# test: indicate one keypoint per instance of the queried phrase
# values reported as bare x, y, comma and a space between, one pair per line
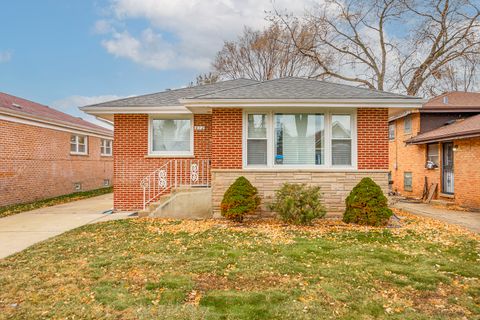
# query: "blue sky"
70, 53
55, 53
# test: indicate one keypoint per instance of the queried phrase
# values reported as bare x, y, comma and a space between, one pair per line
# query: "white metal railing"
175, 173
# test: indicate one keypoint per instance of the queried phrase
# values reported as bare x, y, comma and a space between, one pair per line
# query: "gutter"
374, 103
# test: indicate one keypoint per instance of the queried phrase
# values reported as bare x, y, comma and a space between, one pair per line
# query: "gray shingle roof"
299, 88
171, 97
468, 127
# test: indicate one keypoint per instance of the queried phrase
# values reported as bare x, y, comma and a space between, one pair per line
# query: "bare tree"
385, 44
262, 55
445, 32
460, 75
205, 78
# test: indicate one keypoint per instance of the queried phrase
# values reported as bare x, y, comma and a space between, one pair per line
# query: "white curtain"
171, 135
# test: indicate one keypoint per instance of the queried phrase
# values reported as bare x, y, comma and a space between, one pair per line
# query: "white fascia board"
12, 115
52, 126
348, 103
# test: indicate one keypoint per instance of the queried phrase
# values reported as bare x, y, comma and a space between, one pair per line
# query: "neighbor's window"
257, 139
78, 144
171, 136
299, 139
407, 124
391, 131
433, 153
407, 181
106, 147
341, 140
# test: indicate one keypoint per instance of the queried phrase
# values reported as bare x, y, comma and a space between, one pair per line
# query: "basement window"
78, 144
407, 181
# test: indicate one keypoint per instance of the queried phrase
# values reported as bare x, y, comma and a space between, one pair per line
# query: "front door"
447, 168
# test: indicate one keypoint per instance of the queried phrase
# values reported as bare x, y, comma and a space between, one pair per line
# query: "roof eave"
133, 109
449, 137
448, 110
58, 123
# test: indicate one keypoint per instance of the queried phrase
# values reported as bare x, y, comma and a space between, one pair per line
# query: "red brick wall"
131, 149
35, 163
372, 133
466, 172
222, 143
227, 131
409, 158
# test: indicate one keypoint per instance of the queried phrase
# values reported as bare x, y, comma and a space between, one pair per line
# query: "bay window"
171, 136
300, 139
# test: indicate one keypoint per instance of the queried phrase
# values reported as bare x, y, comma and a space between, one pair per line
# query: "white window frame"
169, 154
353, 128
410, 121
327, 112
76, 152
103, 147
391, 131
438, 152
268, 138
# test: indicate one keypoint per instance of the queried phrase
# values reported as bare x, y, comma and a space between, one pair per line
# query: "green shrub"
240, 199
298, 203
366, 205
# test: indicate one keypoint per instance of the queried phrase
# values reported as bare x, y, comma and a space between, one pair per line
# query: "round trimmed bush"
240, 199
366, 205
298, 203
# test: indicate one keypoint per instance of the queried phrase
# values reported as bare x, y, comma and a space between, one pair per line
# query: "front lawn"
165, 269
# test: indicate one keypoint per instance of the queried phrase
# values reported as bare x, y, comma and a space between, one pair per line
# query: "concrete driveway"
469, 220
20, 231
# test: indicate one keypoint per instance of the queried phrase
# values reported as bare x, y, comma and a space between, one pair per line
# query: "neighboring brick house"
46, 153
436, 143
283, 130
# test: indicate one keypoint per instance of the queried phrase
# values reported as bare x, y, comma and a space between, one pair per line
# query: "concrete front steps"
182, 203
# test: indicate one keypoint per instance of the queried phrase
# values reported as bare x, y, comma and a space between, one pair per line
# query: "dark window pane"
256, 152
342, 152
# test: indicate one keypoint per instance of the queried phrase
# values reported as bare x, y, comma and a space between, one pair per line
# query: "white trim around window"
78, 144
186, 152
106, 146
327, 136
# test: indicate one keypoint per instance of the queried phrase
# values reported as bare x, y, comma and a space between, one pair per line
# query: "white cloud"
70, 105
183, 33
5, 56
102, 27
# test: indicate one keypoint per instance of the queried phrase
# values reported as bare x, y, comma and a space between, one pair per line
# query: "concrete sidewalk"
469, 220
22, 230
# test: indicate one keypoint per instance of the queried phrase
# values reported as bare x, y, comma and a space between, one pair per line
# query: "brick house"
46, 153
288, 129
438, 143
